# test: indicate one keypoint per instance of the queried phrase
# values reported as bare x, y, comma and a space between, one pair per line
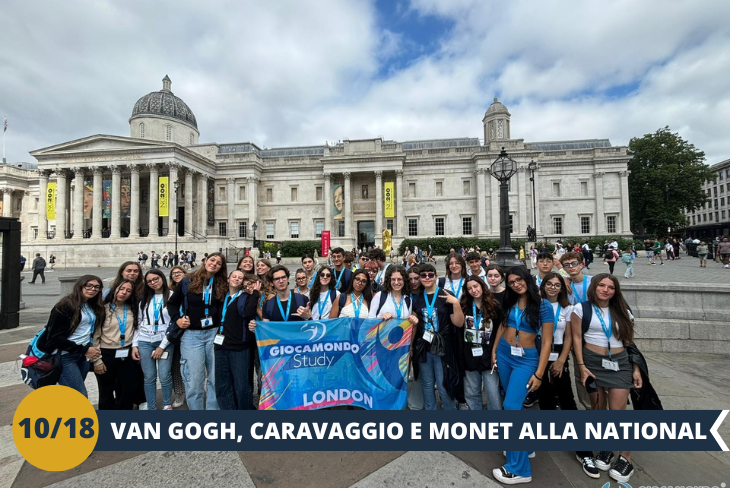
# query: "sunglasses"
325, 275
428, 276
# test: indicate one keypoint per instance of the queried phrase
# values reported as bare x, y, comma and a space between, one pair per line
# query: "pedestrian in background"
628, 258
39, 268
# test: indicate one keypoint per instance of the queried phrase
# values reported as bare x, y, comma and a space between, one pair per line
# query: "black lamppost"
533, 167
503, 168
175, 220
254, 226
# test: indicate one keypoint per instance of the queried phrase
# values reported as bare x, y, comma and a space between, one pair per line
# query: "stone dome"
497, 107
164, 103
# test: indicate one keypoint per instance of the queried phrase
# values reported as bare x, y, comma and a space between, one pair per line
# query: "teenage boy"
285, 305
658, 252
342, 275
437, 311
474, 261
378, 255
577, 282
544, 266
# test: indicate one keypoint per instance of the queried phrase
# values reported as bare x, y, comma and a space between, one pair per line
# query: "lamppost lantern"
254, 226
503, 168
533, 167
176, 184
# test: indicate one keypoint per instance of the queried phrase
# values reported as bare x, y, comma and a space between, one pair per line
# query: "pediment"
99, 142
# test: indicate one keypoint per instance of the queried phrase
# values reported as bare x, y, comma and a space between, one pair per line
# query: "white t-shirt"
82, 334
388, 307
565, 314
455, 286
578, 292
145, 332
324, 299
482, 274
595, 334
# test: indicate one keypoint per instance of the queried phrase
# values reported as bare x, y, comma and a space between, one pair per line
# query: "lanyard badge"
288, 307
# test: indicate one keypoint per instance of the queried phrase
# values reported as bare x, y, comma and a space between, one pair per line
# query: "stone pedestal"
67, 284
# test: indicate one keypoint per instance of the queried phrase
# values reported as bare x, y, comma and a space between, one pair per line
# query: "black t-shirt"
464, 349
196, 306
344, 280
235, 327
443, 311
271, 308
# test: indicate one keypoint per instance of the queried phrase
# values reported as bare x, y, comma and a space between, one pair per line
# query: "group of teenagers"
494, 333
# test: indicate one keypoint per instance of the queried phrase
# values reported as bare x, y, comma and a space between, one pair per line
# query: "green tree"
666, 178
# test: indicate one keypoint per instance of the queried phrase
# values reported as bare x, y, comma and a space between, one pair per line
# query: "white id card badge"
218, 339
477, 351
121, 353
516, 351
607, 364
206, 322
553, 356
428, 336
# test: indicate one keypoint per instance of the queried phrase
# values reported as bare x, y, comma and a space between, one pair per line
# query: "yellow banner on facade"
164, 194
51, 201
389, 200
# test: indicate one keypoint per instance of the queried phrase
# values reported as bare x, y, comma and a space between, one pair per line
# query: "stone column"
97, 213
252, 202
134, 206
625, 213
348, 204
520, 226
600, 216
379, 206
494, 193
231, 182
400, 226
7, 202
203, 205
189, 200
116, 228
61, 192
481, 203
536, 196
154, 232
78, 215
42, 203
328, 202
172, 212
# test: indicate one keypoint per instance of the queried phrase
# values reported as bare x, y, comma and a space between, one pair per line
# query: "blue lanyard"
157, 309
575, 291
314, 277
538, 279
321, 303
477, 318
207, 292
91, 317
356, 305
397, 306
430, 306
515, 310
121, 321
226, 304
608, 330
288, 306
342, 273
456, 292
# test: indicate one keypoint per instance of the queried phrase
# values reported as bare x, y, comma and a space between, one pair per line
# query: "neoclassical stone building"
107, 188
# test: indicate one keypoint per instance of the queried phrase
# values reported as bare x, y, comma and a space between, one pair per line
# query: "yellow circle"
60, 409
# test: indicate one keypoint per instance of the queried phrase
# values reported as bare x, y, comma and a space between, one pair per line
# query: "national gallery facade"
102, 198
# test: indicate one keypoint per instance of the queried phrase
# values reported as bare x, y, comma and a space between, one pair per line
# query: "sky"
286, 72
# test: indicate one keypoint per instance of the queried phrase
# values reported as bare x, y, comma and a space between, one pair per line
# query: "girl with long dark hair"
177, 273
355, 302
455, 275
323, 294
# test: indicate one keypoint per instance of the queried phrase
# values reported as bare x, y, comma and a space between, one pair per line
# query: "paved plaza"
684, 382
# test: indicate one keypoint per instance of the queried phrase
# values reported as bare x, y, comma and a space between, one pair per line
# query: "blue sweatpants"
515, 372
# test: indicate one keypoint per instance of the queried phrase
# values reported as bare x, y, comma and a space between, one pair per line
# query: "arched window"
192, 139
141, 130
168, 133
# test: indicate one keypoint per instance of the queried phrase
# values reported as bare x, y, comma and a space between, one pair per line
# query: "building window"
364, 193
720, 175
221, 193
412, 227
222, 231
704, 217
611, 224
35, 230
294, 192
557, 225
722, 202
728, 186
243, 229
269, 230
412, 190
168, 133
294, 228
727, 172
714, 191
556, 189
242, 192
192, 138
269, 195
141, 130
440, 227
722, 189
466, 226
318, 228
511, 223
717, 216
585, 225
723, 218
318, 194
389, 225
584, 188
466, 187
340, 228
439, 188
693, 220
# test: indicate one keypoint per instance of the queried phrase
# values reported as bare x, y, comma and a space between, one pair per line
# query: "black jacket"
644, 398
58, 330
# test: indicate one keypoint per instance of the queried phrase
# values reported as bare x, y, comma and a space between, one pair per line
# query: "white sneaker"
507, 478
143, 406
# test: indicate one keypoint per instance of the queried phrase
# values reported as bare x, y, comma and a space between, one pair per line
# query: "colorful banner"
318, 364
389, 202
163, 197
88, 199
325, 251
387, 241
51, 201
338, 201
125, 197
107, 196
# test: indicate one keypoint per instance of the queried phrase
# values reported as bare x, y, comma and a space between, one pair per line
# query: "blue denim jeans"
432, 372
473, 381
197, 367
151, 368
74, 368
232, 387
515, 372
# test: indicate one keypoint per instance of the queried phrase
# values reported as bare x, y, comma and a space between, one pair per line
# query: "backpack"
144, 257
626, 258
174, 333
39, 368
588, 315
608, 255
